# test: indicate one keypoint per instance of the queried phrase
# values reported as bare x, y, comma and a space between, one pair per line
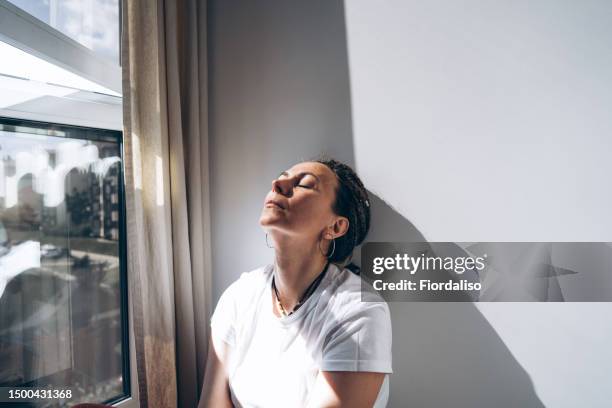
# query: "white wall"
497, 112
490, 121
279, 92
475, 122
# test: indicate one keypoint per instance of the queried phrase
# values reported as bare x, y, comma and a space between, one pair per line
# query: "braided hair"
352, 202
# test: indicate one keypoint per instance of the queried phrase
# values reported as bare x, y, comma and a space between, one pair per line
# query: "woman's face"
305, 194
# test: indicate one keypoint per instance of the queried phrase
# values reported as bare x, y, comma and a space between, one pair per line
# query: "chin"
266, 220
270, 225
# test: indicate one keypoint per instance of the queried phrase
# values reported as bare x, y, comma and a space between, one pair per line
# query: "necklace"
309, 290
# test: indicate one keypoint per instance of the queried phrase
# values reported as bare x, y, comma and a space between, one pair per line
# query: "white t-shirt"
274, 360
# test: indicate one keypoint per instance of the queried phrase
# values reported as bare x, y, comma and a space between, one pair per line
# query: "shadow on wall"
280, 90
446, 354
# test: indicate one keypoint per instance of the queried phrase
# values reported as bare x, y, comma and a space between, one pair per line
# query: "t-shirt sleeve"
361, 341
223, 319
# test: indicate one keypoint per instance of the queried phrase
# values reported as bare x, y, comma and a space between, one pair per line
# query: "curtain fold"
167, 195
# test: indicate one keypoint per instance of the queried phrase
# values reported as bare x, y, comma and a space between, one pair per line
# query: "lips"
274, 203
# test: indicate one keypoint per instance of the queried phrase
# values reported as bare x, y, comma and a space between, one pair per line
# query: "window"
81, 37
63, 288
45, 78
32, 88
92, 23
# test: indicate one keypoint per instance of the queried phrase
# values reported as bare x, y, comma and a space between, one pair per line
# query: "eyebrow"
284, 173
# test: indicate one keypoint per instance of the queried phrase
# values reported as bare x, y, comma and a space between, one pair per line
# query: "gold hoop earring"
333, 250
268, 245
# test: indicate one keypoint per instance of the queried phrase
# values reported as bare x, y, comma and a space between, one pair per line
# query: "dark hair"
352, 202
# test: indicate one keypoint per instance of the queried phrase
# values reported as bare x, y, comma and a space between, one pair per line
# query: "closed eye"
308, 178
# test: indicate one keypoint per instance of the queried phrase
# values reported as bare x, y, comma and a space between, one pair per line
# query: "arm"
215, 391
357, 389
221, 340
355, 358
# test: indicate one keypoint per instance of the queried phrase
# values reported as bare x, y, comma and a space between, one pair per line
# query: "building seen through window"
62, 269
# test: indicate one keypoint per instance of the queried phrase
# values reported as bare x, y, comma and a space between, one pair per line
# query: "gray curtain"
167, 195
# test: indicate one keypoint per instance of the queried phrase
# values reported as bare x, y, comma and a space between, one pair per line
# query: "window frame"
26, 32
130, 398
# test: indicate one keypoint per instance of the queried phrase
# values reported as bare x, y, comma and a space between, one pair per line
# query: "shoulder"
359, 333
248, 282
237, 299
246, 289
253, 277
352, 296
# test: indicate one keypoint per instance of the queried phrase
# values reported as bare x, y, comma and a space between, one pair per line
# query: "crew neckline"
306, 306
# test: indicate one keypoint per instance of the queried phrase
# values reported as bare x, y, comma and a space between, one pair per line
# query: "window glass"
44, 77
63, 320
92, 23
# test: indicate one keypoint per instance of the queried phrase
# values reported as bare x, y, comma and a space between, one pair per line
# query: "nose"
282, 186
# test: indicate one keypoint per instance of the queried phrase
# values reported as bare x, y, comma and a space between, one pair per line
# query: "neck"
297, 265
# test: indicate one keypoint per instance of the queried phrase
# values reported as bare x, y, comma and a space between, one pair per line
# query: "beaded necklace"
309, 290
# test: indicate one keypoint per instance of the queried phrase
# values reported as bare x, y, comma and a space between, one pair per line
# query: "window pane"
44, 77
93, 23
62, 276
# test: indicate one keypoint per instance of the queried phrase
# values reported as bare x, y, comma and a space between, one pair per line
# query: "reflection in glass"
60, 282
92, 23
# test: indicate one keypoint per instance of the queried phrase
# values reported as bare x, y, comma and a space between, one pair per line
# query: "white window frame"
26, 32
23, 31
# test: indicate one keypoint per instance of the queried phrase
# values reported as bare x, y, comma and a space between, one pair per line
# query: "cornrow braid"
352, 202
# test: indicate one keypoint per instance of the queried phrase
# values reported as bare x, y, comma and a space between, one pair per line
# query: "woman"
297, 333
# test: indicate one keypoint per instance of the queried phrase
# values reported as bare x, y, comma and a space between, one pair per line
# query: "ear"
338, 228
